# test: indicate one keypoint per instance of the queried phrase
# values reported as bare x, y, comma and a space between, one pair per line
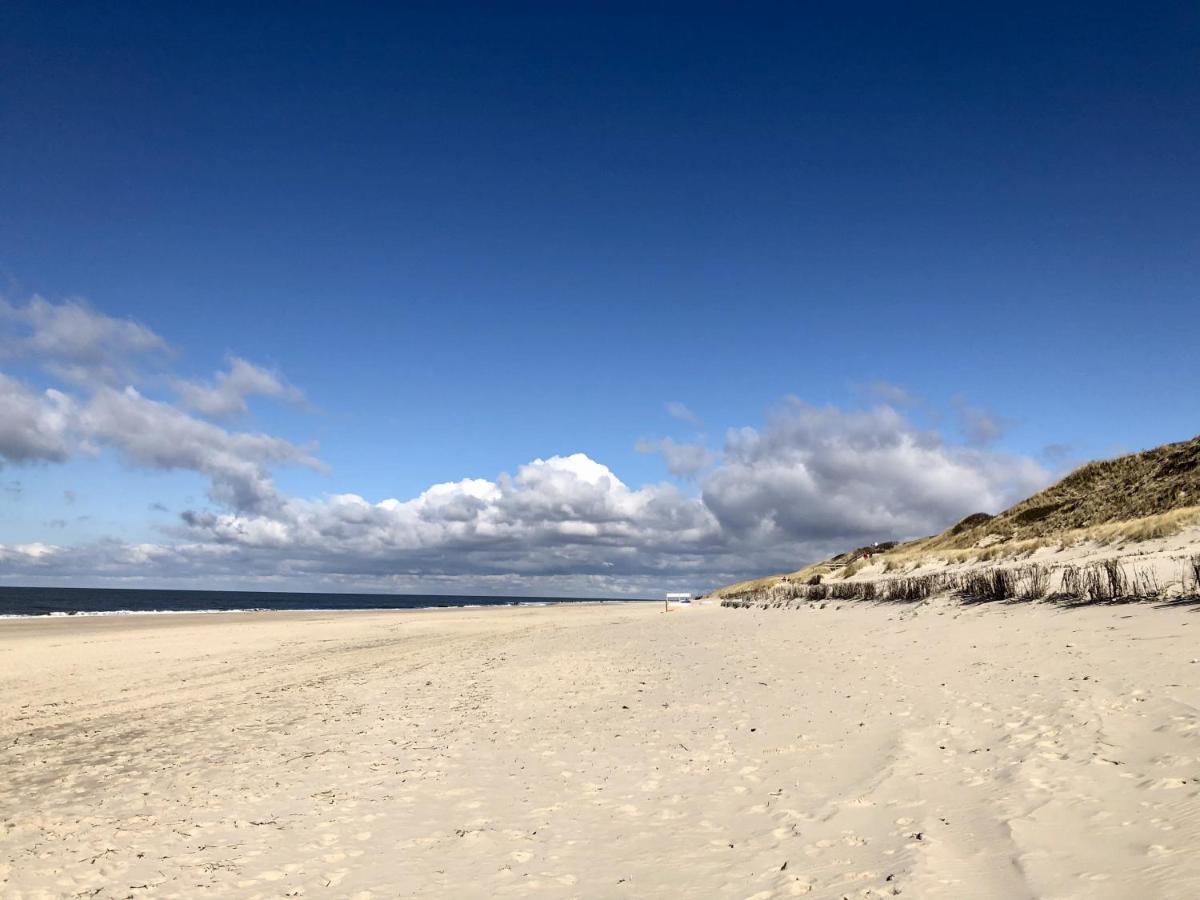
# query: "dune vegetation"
1099, 534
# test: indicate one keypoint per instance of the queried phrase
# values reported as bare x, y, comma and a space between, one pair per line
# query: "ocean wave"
77, 614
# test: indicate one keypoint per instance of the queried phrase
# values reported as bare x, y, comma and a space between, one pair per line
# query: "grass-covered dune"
1140, 513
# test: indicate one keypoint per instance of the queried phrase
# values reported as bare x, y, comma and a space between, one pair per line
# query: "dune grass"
1135, 498
1103, 581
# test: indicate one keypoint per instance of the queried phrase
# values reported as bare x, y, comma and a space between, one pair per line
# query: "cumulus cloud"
822, 474
682, 459
34, 425
677, 410
24, 556
891, 394
48, 426
75, 342
157, 435
810, 482
565, 514
980, 426
226, 395
813, 481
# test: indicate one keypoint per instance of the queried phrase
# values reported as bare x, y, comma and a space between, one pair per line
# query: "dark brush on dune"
1002, 585
1034, 582
914, 589
847, 590
988, 586
1110, 582
1107, 581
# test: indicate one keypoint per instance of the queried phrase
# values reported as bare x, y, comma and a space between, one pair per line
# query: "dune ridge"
1113, 530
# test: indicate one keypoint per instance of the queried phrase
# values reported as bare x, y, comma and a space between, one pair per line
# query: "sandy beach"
604, 751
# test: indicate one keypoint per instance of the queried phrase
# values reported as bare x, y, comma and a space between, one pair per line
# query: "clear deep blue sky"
480, 234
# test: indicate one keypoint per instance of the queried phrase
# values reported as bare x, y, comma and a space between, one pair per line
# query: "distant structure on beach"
680, 598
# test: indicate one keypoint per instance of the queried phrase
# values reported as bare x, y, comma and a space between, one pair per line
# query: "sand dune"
867, 751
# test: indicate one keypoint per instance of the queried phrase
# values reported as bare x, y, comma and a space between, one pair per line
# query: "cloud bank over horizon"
809, 482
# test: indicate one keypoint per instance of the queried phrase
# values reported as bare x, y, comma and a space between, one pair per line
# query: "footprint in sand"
334, 878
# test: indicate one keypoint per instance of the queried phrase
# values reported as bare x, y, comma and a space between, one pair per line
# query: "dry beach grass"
605, 751
1098, 509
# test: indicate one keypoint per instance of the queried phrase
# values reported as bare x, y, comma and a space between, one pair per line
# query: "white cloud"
49, 426
813, 481
562, 514
891, 394
226, 396
677, 410
75, 342
980, 426
683, 459
157, 435
35, 553
34, 425
826, 474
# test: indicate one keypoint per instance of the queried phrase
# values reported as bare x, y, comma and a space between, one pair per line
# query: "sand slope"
604, 752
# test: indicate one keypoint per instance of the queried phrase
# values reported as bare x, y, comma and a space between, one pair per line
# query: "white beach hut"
678, 598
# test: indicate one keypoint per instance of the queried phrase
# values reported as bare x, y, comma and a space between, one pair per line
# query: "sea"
51, 601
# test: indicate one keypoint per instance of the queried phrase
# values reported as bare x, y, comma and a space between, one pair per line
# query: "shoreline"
87, 614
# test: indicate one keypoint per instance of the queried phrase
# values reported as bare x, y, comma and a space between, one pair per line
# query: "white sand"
604, 752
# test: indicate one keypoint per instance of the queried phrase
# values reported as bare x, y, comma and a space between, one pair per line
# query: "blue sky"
478, 236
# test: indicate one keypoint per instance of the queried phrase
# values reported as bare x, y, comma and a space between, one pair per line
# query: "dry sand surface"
604, 751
